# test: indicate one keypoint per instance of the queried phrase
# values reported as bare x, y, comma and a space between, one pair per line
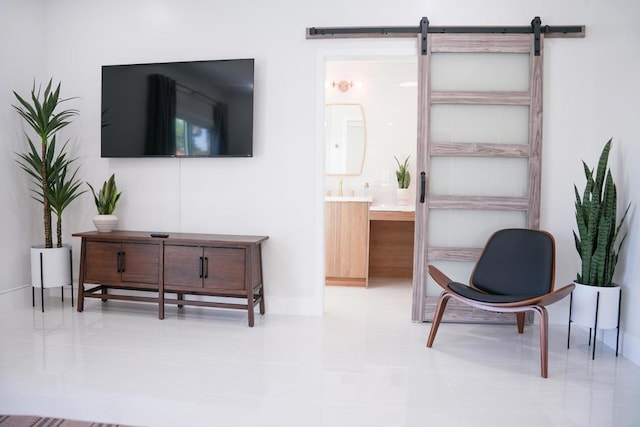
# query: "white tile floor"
363, 364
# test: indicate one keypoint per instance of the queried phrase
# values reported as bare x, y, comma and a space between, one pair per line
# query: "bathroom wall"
386, 88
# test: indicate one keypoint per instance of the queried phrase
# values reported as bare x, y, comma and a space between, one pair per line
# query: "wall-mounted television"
178, 109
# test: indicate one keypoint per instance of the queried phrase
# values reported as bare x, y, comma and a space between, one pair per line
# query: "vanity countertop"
393, 208
365, 199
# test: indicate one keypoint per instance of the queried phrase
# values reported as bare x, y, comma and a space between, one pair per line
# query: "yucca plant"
63, 190
596, 217
107, 197
42, 162
402, 173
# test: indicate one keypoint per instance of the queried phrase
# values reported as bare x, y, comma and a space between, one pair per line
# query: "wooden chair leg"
544, 340
437, 317
521, 316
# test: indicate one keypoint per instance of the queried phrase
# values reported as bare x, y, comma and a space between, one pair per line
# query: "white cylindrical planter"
50, 267
583, 306
403, 196
105, 223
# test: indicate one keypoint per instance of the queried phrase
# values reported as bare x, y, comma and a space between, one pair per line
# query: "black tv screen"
178, 109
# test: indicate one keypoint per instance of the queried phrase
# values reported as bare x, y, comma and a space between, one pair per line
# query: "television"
178, 109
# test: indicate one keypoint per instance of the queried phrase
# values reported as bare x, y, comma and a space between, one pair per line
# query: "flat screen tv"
178, 109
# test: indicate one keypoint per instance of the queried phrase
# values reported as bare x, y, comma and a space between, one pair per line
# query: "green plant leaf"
597, 232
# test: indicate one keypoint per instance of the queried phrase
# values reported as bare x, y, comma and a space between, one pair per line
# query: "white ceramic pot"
105, 223
583, 305
403, 196
50, 267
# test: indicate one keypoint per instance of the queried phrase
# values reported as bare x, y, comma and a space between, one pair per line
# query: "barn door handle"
423, 185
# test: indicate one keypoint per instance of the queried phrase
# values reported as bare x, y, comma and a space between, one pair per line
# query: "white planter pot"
105, 223
583, 306
403, 196
50, 267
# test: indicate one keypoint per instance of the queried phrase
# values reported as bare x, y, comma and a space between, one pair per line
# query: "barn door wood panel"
479, 149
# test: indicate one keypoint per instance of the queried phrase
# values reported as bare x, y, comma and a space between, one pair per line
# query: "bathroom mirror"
345, 139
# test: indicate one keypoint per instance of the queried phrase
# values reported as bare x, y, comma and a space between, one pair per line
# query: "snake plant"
402, 173
596, 222
107, 197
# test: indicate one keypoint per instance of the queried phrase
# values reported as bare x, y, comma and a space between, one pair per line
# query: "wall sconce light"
342, 85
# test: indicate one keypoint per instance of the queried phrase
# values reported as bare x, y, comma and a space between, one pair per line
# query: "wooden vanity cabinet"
347, 243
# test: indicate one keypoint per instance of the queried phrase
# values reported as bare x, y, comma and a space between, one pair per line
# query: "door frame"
357, 49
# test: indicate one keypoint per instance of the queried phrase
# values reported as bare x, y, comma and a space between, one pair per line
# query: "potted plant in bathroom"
404, 180
106, 199
54, 186
595, 300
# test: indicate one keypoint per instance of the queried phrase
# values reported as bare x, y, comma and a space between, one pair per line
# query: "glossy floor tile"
363, 364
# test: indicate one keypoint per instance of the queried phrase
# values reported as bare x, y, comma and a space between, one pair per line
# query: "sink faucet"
340, 187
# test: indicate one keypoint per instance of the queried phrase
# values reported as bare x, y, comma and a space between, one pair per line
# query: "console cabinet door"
225, 268
102, 262
140, 263
182, 266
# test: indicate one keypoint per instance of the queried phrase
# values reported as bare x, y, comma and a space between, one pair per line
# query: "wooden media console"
208, 265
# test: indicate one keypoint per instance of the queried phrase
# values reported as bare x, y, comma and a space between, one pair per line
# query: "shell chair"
514, 274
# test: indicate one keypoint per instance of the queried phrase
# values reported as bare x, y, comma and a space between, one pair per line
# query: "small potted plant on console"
106, 199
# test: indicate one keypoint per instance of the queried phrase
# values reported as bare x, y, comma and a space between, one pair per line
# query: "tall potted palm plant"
54, 186
596, 299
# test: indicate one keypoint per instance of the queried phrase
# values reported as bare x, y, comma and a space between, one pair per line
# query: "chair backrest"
516, 261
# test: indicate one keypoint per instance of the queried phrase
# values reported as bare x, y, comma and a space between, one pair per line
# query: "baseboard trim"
6, 291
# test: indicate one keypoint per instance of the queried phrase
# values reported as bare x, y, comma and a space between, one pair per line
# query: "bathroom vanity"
363, 241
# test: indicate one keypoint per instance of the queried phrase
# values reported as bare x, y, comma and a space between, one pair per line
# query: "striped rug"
35, 421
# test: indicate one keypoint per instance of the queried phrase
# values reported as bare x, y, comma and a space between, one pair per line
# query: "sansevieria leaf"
597, 232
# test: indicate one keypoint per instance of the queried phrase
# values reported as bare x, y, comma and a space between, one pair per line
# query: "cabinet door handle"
206, 267
120, 262
423, 184
201, 267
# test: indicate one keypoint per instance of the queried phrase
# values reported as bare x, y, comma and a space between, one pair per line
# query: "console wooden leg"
262, 310
250, 307
80, 295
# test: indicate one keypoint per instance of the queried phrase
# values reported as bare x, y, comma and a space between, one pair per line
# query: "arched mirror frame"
364, 130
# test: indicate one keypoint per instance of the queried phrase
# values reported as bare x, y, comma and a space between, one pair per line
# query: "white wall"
391, 114
591, 92
21, 53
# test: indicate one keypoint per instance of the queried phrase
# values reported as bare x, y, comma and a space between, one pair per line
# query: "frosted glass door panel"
479, 176
469, 228
480, 71
497, 124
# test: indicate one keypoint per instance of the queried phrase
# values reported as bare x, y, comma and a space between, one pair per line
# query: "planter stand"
595, 324
42, 284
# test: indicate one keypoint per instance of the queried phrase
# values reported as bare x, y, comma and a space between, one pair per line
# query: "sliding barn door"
479, 149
